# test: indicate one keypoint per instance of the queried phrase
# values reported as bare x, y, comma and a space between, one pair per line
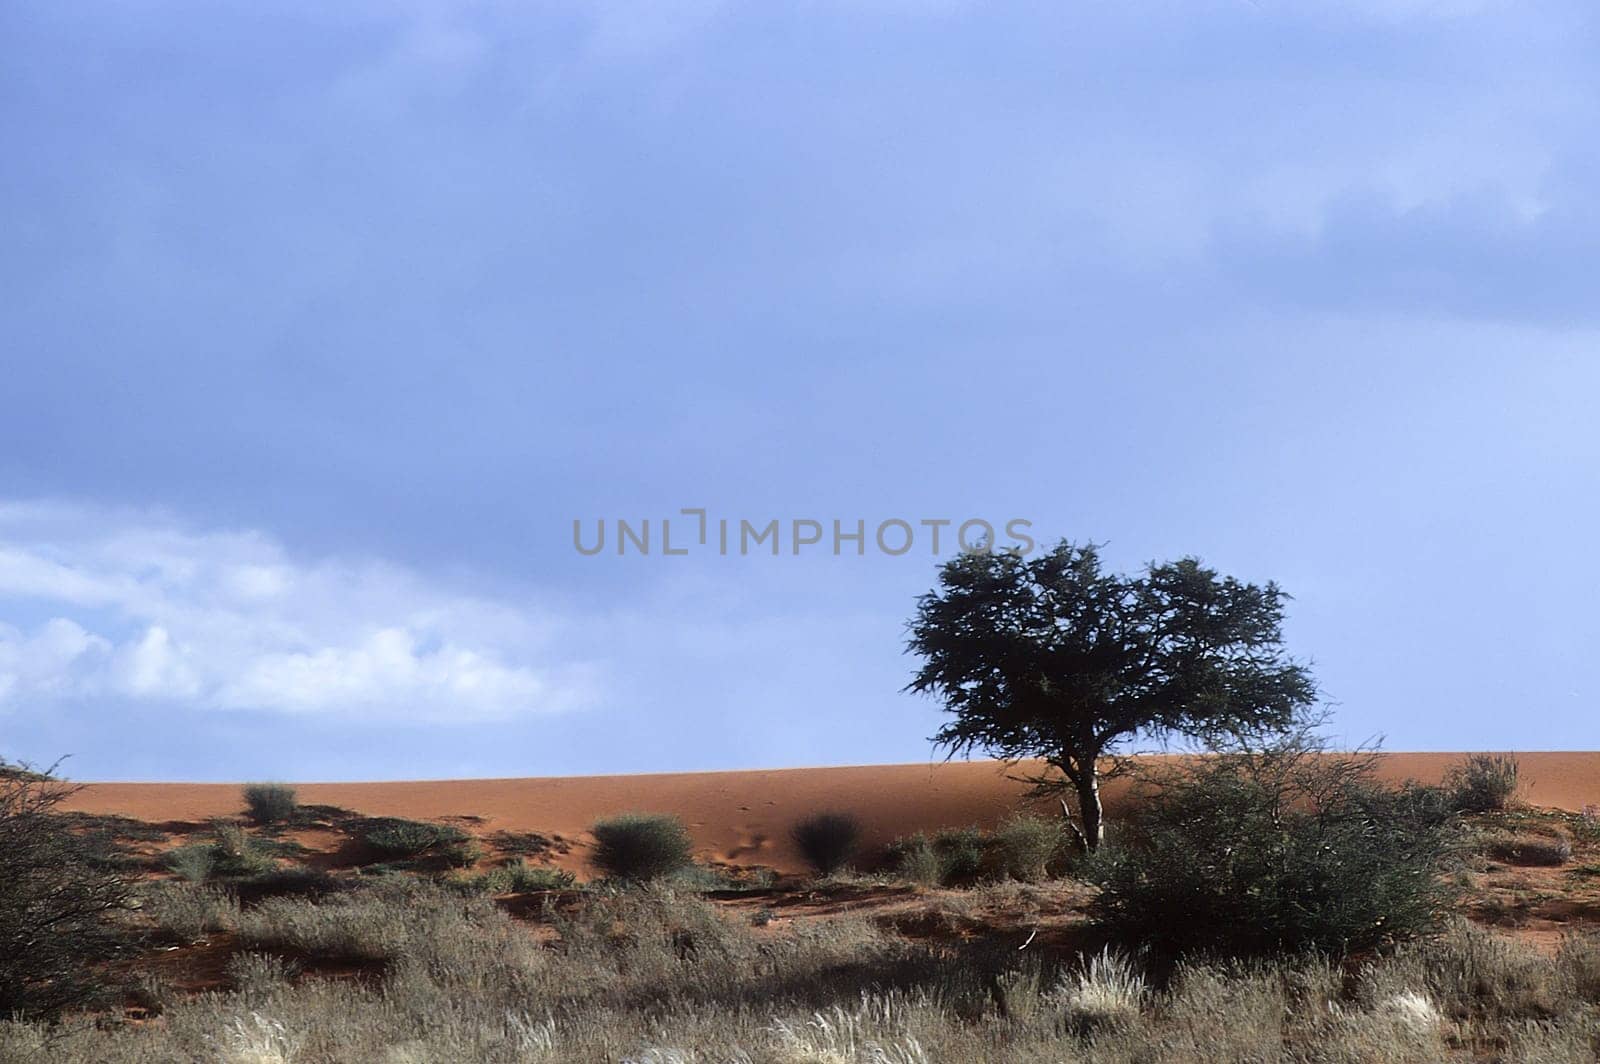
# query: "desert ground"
736, 818
293, 942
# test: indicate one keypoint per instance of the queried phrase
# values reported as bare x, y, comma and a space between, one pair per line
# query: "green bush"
235, 853
191, 863
915, 859
516, 876
395, 839
827, 841
1483, 783
952, 857
270, 803
641, 846
1286, 849
1023, 847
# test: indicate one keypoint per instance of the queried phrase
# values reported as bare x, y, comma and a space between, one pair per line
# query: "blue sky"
324, 322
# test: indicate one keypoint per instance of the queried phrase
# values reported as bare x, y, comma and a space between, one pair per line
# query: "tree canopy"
1054, 658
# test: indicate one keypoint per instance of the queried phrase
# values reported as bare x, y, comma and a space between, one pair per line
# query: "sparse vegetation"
1527, 848
410, 841
641, 846
827, 841
1023, 847
516, 876
270, 803
656, 976
1282, 849
1483, 783
953, 857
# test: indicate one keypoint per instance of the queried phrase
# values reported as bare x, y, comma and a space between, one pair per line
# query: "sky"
324, 323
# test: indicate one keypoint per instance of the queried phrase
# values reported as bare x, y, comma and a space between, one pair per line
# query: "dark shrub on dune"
1483, 783
270, 803
827, 840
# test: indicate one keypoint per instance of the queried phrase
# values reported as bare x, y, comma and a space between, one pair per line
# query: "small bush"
641, 846
270, 803
1525, 849
516, 876
1483, 783
1282, 850
256, 975
191, 863
827, 841
1023, 847
236, 854
394, 839
185, 913
952, 857
961, 855
914, 858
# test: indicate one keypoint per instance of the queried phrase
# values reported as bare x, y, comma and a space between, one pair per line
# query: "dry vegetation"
404, 971
276, 954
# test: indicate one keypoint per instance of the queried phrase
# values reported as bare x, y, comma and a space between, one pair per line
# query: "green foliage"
270, 803
827, 840
57, 899
953, 857
1283, 849
641, 846
1051, 657
1483, 783
914, 858
393, 839
1023, 847
191, 863
516, 876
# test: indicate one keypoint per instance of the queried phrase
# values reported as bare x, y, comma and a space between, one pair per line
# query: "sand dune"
740, 817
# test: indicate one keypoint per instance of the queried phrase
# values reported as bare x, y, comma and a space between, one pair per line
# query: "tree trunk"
1088, 785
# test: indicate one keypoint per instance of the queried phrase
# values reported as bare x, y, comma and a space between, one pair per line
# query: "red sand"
740, 817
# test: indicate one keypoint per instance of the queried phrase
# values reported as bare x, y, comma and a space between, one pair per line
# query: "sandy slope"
740, 817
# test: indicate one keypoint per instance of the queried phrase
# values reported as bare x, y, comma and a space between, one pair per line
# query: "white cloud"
133, 606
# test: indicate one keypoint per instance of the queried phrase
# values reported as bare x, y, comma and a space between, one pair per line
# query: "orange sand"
739, 817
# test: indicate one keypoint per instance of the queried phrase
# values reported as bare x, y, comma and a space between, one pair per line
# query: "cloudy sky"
322, 323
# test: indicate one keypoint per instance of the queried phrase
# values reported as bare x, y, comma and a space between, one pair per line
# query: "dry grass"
661, 976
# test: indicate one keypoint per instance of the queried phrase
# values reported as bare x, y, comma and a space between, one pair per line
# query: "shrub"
1483, 783
914, 858
394, 839
1023, 846
190, 863
236, 854
1282, 849
57, 898
641, 846
184, 913
270, 803
516, 876
952, 857
961, 855
827, 840
1526, 849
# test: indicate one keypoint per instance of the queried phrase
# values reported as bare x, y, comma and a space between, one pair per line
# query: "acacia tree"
57, 898
1052, 658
